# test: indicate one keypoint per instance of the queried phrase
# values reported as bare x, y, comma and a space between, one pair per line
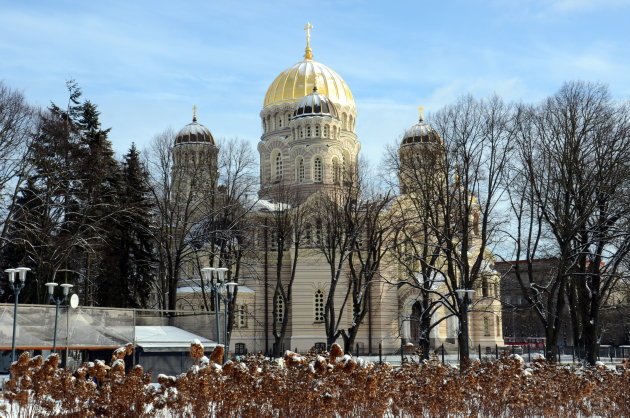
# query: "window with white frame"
317, 170
241, 316
277, 166
319, 305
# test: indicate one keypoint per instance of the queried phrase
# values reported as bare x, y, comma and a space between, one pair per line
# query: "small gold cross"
420, 109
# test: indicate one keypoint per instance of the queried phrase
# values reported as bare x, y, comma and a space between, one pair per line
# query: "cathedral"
307, 145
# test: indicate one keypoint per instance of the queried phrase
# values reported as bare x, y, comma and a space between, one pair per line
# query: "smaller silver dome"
194, 133
421, 132
315, 104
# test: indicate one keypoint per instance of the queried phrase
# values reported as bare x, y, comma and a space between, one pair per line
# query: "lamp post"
218, 287
227, 294
16, 287
465, 297
57, 301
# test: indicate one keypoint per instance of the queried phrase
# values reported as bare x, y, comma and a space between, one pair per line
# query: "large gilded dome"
298, 81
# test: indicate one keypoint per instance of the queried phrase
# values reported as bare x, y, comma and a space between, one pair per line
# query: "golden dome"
298, 81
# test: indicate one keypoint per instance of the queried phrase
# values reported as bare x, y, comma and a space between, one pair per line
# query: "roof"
166, 338
262, 205
197, 289
297, 81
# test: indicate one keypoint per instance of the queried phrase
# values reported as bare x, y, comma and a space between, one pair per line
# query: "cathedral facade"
307, 147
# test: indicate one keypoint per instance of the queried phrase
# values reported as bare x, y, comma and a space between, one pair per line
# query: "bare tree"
417, 242
352, 226
17, 125
285, 224
477, 136
184, 190
574, 151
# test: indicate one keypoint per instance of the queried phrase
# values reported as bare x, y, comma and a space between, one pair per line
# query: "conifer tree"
130, 256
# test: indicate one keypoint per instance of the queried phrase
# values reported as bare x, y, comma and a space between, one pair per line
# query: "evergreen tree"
130, 258
70, 198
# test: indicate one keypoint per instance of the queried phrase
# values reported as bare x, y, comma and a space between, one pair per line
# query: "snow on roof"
167, 338
197, 289
262, 205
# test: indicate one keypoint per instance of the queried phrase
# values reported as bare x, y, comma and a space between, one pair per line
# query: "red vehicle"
533, 342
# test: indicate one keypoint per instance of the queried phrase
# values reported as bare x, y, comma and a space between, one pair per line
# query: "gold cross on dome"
308, 33
420, 109
308, 52
195, 112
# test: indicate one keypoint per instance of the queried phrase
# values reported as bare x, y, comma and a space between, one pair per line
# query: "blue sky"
146, 63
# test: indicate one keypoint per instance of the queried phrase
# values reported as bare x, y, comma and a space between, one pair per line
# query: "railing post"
479, 349
442, 353
380, 352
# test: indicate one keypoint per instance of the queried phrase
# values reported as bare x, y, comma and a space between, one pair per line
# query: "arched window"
308, 235
279, 309
452, 323
335, 170
318, 233
280, 121
497, 325
317, 170
300, 170
319, 305
325, 131
308, 131
277, 175
484, 287
301, 132
476, 223
486, 326
317, 131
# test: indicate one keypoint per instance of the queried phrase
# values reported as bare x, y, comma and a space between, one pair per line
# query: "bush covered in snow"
335, 385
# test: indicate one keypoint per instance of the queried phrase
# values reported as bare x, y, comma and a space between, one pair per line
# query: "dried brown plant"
314, 386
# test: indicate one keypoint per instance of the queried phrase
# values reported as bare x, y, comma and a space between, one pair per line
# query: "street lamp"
227, 294
16, 287
465, 296
216, 288
57, 301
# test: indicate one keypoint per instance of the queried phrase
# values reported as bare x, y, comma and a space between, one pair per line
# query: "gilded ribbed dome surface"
298, 81
195, 133
315, 104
